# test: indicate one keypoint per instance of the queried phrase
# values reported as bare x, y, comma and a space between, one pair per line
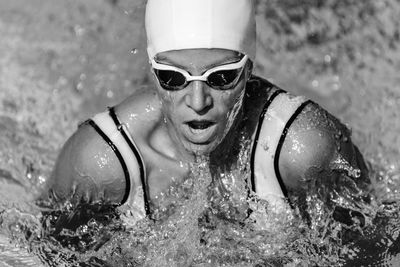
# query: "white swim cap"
188, 24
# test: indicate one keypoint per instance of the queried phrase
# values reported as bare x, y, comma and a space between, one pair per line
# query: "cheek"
169, 102
231, 110
232, 102
235, 107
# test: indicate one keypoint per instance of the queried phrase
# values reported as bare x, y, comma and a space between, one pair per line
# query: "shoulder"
142, 104
87, 169
140, 112
314, 135
315, 140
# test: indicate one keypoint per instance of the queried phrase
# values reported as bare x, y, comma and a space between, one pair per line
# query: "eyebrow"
167, 61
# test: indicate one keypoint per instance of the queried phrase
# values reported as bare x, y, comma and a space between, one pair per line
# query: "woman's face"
199, 116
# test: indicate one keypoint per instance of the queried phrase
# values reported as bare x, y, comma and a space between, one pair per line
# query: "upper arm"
87, 170
318, 146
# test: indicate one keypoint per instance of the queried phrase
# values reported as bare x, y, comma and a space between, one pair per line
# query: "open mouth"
200, 131
200, 125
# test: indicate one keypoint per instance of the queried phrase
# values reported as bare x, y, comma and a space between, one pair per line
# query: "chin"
201, 150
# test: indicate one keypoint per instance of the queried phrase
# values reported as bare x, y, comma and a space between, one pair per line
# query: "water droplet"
265, 145
110, 94
315, 83
338, 135
79, 30
327, 59
79, 87
341, 164
149, 108
41, 179
128, 12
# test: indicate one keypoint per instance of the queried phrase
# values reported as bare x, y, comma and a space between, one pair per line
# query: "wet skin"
198, 116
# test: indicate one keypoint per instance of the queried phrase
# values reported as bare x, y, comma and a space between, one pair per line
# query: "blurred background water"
61, 61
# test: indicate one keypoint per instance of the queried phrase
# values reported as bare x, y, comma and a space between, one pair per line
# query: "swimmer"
204, 101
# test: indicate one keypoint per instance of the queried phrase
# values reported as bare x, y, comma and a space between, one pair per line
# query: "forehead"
198, 57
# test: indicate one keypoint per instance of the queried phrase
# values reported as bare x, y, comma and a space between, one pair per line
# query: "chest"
163, 175
169, 180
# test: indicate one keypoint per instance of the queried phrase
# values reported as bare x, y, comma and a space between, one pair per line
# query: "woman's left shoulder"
315, 125
315, 139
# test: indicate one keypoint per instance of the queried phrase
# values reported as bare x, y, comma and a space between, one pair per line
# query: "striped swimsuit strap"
278, 114
117, 136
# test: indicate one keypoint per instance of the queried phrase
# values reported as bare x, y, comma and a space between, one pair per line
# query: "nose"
198, 97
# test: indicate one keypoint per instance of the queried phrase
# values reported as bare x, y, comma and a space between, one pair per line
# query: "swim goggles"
223, 77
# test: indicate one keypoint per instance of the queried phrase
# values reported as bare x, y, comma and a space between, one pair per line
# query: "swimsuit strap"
277, 116
128, 138
117, 136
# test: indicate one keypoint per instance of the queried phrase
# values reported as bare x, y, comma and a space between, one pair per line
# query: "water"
61, 61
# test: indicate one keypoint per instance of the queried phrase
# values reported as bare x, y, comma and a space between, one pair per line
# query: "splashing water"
209, 221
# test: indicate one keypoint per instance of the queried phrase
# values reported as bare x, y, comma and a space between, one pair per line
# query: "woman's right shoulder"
142, 101
87, 169
140, 112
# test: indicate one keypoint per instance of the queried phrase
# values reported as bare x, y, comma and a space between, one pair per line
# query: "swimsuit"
119, 139
278, 114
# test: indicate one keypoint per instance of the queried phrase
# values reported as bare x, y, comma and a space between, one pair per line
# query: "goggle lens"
171, 80
223, 79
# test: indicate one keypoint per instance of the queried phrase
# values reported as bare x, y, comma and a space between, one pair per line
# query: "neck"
225, 151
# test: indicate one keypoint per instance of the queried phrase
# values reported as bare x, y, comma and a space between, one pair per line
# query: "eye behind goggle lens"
171, 80
223, 79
